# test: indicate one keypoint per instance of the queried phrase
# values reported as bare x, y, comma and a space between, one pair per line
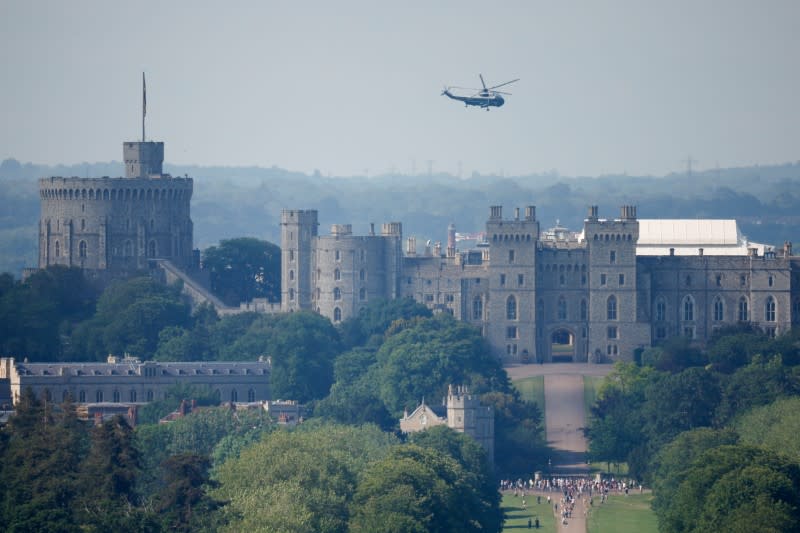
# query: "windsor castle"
619, 285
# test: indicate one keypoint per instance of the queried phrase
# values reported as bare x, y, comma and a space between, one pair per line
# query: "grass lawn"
517, 517
623, 514
532, 390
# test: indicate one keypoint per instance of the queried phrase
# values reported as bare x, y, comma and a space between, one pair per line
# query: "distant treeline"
246, 201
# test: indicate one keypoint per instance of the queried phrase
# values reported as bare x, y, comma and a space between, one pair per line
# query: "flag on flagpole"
144, 96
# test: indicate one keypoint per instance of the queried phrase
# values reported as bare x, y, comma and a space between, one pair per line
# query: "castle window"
770, 281
362, 275
251, 395
611, 308
743, 312
83, 223
562, 280
612, 257
602, 279
291, 294
291, 275
719, 310
58, 249
583, 310
151, 249
362, 294
688, 309
337, 255
337, 314
82, 396
152, 224
337, 275
150, 395
661, 309
337, 293
612, 332
562, 308
511, 332
98, 396
511, 256
742, 280
771, 332
132, 395
688, 281
769, 309
661, 332
234, 395
82, 249
477, 308
511, 308
718, 279
520, 280
688, 332
502, 280
621, 280
291, 255
583, 279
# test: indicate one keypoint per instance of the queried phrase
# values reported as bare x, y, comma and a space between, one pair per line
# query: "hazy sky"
353, 87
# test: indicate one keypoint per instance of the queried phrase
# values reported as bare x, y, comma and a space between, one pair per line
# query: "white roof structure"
687, 236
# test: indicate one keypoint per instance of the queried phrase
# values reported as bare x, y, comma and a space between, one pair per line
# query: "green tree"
244, 268
308, 476
423, 359
774, 427
183, 502
417, 489
759, 383
519, 443
372, 322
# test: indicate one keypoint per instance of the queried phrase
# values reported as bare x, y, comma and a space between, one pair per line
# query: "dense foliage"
713, 430
244, 268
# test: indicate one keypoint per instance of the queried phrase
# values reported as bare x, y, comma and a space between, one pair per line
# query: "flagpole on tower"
144, 104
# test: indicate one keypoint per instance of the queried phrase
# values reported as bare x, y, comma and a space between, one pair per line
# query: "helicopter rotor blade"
506, 83
482, 82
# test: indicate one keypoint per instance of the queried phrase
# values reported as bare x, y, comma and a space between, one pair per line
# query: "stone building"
465, 414
619, 285
128, 380
117, 224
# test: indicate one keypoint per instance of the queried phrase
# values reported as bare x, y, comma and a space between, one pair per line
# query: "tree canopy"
244, 268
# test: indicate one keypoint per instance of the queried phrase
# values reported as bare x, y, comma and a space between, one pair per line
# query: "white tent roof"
686, 236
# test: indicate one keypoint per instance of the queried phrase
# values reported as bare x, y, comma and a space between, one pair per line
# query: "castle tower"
143, 159
466, 415
298, 236
512, 284
615, 329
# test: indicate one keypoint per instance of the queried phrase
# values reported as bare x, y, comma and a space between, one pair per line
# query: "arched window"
769, 309
511, 308
337, 293
688, 309
661, 309
362, 275
583, 310
611, 308
58, 249
719, 310
337, 274
337, 315
251, 395
291, 275
477, 308
82, 249
234, 395
562, 308
744, 316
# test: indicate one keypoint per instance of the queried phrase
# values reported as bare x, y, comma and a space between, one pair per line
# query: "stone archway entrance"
562, 346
